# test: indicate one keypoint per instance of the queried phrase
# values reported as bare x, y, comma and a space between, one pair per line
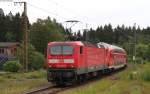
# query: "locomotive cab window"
55, 50
67, 50
81, 49
61, 50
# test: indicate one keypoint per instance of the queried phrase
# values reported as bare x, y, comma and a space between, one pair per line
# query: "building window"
1, 51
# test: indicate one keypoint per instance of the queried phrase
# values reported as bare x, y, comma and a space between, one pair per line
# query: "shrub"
145, 75
12, 66
142, 73
36, 61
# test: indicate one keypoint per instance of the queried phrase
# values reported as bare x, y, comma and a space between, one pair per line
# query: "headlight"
68, 60
53, 61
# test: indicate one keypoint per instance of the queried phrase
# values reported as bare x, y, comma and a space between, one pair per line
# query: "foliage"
140, 72
44, 31
147, 53
143, 51
12, 66
47, 30
144, 72
145, 75
37, 61
11, 28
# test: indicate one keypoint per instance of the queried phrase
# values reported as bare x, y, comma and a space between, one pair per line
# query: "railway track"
48, 90
57, 89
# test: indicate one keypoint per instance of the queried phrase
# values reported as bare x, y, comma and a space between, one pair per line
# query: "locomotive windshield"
61, 50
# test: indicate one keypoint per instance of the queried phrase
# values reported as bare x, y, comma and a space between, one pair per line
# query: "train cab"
62, 60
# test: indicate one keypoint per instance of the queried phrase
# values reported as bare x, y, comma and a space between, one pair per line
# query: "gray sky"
92, 12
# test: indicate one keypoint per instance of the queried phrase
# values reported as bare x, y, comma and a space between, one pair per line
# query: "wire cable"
66, 9
47, 11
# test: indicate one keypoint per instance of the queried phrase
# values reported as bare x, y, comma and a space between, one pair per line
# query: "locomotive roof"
84, 43
67, 42
89, 44
75, 43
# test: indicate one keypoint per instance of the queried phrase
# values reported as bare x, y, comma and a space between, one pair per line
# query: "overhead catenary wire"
62, 7
55, 14
52, 13
67, 9
43, 10
47, 11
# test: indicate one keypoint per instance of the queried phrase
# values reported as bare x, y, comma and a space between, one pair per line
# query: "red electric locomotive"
76, 61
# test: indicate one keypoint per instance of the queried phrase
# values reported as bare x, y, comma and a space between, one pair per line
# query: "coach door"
115, 59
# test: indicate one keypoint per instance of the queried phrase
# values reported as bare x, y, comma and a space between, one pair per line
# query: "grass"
18, 83
133, 80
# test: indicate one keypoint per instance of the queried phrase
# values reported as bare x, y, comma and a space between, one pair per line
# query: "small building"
8, 51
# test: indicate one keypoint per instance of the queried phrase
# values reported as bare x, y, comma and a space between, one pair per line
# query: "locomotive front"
61, 62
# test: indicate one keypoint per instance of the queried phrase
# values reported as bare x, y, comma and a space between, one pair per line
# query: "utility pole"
134, 56
25, 36
86, 30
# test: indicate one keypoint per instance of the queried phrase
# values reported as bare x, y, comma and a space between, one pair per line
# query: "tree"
10, 28
36, 60
44, 31
147, 53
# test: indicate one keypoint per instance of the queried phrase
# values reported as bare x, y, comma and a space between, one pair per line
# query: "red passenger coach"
76, 61
116, 56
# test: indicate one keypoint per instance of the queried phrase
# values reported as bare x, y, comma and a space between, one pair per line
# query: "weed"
35, 74
145, 75
18, 83
2, 79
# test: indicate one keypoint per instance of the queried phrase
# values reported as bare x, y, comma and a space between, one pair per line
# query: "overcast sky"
92, 12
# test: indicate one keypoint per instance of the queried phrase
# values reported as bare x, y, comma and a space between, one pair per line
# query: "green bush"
36, 61
12, 66
145, 75
141, 73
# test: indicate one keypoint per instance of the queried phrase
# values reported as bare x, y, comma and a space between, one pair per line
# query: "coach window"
81, 49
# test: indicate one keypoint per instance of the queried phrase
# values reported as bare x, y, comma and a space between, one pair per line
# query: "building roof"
8, 44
